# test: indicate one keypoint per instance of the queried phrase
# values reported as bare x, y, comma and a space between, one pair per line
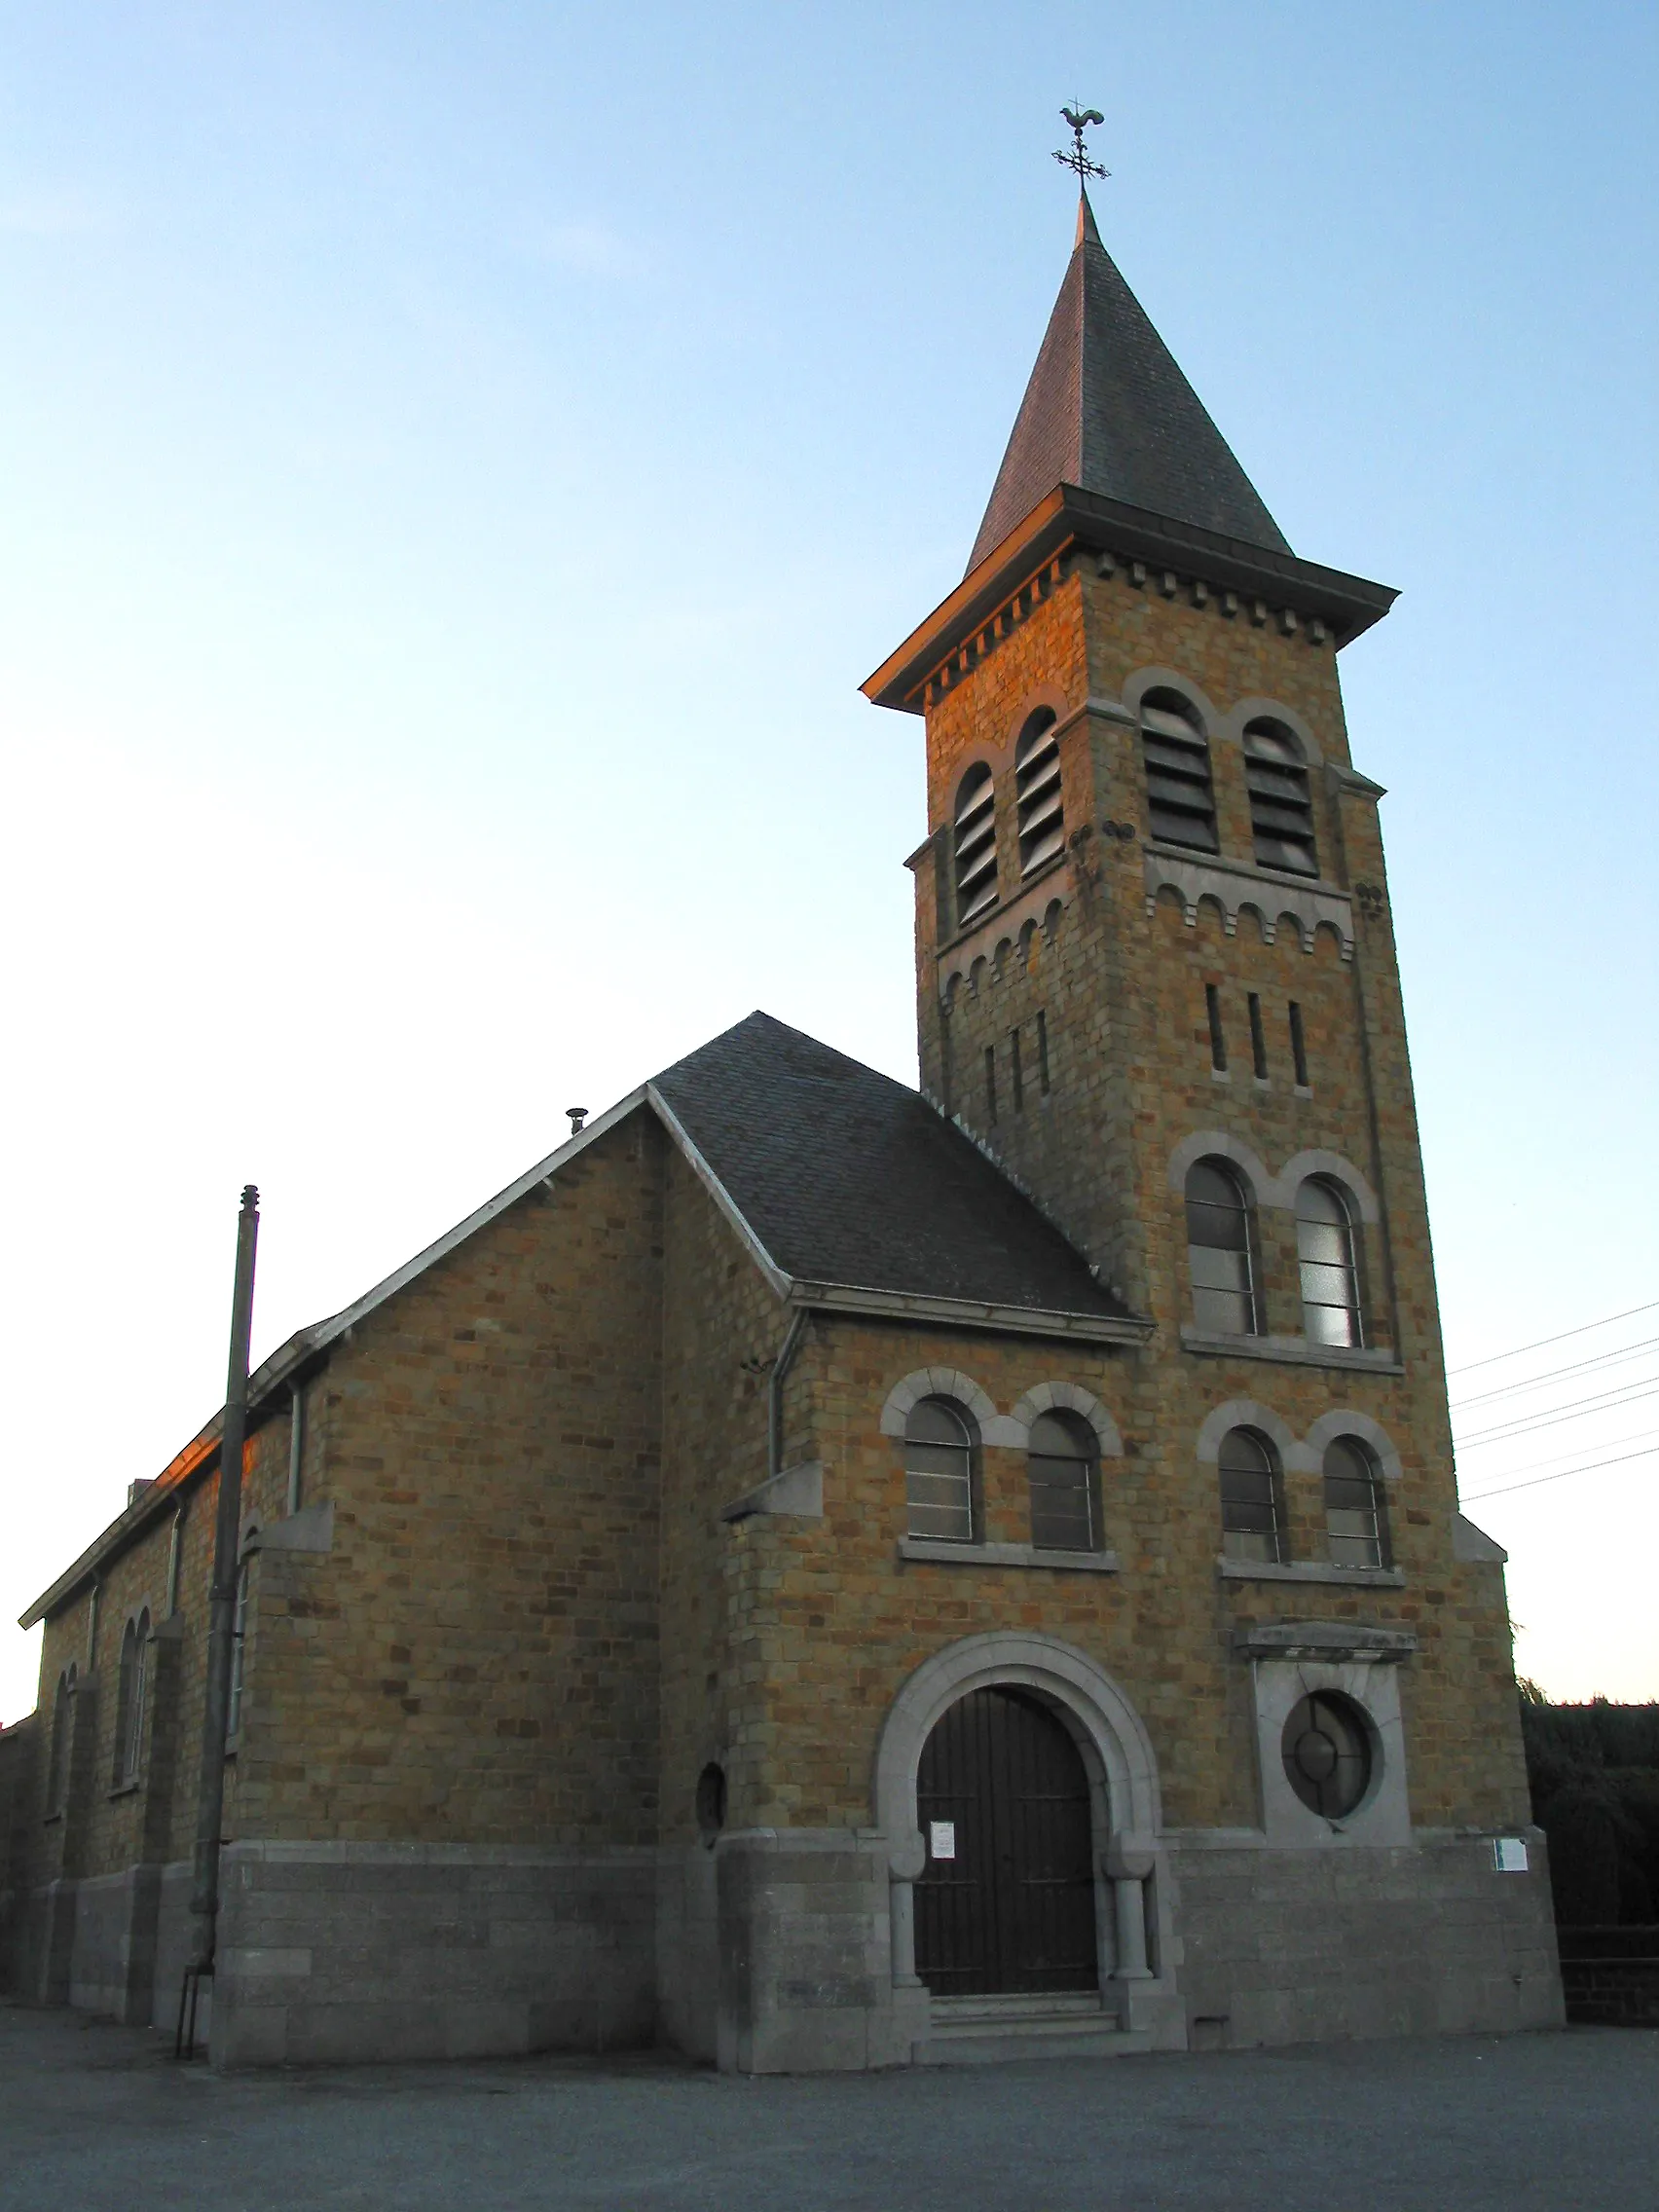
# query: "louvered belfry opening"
1005, 1903
1282, 806
1037, 786
1180, 800
975, 838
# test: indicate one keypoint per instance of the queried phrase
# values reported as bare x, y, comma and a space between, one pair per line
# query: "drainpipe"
775, 1391
221, 1615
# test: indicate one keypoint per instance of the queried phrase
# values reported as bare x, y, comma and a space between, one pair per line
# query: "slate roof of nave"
847, 1177
1108, 410
842, 1178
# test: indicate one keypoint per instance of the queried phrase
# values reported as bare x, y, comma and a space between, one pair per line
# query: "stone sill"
1293, 1351
52, 1820
123, 1789
937, 1552
1310, 1571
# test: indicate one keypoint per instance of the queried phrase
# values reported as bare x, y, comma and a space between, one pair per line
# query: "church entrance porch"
1005, 1903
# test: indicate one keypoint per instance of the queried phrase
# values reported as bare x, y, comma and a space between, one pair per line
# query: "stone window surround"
1279, 1191
1011, 1432
1362, 1667
1304, 1456
1265, 1188
1131, 1893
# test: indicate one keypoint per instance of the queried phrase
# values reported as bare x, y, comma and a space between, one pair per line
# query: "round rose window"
1327, 1753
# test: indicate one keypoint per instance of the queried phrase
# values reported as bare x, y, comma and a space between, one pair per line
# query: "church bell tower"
1151, 924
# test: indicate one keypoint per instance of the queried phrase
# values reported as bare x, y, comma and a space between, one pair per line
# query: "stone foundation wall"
384, 1951
1426, 1938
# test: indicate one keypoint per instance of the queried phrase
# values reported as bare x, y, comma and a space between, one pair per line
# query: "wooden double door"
1006, 1901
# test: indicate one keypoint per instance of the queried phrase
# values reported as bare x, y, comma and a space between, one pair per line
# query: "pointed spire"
1108, 410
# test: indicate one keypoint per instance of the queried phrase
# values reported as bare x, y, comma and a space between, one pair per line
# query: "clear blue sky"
458, 463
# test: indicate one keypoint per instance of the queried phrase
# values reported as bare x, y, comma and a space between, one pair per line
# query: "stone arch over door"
1118, 1755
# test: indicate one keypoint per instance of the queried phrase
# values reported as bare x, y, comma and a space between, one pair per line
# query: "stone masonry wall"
476, 1659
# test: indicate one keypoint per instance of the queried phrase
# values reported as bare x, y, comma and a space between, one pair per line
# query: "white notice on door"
942, 1840
1509, 1854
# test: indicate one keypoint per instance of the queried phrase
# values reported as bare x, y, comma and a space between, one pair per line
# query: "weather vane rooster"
1076, 156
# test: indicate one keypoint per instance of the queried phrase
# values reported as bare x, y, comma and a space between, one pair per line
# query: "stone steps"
988, 2031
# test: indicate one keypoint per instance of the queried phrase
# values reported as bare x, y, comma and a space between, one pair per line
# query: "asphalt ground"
94, 2116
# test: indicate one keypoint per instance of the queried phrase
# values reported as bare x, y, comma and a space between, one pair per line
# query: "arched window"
1281, 807
1220, 1251
1037, 786
1181, 804
62, 1725
239, 1645
938, 1472
1252, 1505
129, 1698
1330, 1283
1356, 1516
1062, 1470
975, 844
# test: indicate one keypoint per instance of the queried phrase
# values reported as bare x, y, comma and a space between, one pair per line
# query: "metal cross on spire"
1077, 156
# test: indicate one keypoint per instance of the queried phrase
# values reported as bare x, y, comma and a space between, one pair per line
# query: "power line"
1554, 1374
1583, 1330
1475, 1496
1538, 1466
1608, 1402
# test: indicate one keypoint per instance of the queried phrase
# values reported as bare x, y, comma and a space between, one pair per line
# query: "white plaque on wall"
1509, 1854
942, 1840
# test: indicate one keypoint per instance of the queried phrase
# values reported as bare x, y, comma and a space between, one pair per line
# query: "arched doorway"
1005, 1899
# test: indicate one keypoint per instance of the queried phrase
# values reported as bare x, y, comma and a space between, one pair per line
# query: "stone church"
821, 1575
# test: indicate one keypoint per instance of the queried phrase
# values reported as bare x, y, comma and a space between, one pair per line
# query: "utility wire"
1583, 1330
1475, 1496
1606, 1402
1554, 1374
1538, 1466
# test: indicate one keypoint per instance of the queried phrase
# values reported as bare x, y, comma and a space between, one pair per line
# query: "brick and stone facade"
588, 1656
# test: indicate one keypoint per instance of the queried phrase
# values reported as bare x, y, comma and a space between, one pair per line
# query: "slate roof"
1108, 410
846, 1177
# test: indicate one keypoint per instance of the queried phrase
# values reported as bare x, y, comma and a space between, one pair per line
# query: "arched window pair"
131, 1697
1038, 807
1062, 1476
1252, 1503
1180, 794
1224, 1264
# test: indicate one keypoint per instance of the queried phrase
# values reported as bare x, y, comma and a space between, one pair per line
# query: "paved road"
95, 2117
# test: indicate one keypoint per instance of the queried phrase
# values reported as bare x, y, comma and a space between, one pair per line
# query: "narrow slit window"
1356, 1523
1220, 1251
939, 1473
1216, 1035
62, 1726
1042, 1053
1258, 1038
1180, 799
1036, 792
123, 1705
976, 845
239, 1652
1252, 1507
1017, 1071
990, 1083
1325, 1253
1297, 1047
1282, 806
1061, 1472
